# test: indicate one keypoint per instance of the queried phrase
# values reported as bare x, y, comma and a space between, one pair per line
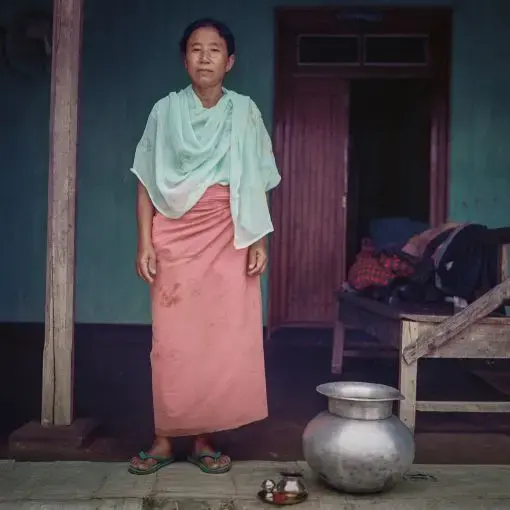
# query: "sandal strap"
145, 456
209, 455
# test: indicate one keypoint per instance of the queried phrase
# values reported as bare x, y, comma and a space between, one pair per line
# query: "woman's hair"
225, 33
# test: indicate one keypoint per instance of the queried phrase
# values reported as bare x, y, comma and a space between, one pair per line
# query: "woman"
204, 165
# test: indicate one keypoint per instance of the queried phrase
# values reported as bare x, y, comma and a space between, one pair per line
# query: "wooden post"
57, 383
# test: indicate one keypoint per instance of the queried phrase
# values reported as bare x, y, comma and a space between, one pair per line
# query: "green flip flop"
198, 460
161, 462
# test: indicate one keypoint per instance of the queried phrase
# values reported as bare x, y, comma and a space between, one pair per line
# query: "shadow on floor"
113, 386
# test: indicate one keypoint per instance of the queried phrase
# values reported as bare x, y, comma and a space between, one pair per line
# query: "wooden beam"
462, 407
435, 337
57, 390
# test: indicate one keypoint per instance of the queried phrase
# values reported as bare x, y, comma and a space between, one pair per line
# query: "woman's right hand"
146, 263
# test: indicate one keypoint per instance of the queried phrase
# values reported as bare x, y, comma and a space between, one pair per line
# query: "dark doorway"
360, 133
389, 155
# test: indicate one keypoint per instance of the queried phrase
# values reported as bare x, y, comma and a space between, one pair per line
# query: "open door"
319, 52
308, 246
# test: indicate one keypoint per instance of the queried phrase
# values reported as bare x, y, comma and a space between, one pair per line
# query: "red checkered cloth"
373, 269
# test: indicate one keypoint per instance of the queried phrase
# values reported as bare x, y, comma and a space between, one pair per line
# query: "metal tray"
293, 500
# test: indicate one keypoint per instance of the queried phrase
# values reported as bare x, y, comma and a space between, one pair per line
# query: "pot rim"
333, 390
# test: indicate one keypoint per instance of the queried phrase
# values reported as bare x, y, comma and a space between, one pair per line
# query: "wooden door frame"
435, 21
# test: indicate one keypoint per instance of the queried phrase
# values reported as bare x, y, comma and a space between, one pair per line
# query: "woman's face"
207, 60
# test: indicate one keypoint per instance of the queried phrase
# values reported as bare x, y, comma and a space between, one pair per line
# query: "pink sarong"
207, 354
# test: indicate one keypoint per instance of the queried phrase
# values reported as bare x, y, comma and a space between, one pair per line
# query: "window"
328, 50
396, 50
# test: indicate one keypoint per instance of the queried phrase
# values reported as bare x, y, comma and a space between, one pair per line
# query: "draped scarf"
185, 146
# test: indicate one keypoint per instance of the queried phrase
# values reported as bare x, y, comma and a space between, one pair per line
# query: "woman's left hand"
257, 258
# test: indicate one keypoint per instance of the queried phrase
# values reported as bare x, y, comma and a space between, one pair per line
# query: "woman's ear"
231, 62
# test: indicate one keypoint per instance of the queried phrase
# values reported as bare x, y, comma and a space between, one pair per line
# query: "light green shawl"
185, 146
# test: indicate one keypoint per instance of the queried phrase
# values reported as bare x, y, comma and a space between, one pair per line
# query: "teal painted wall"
130, 60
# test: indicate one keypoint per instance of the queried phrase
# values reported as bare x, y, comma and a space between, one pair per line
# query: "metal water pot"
358, 445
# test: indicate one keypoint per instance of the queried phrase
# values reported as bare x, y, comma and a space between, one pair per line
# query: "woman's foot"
160, 455
208, 459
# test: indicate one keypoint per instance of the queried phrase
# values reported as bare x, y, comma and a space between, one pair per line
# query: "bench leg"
337, 358
408, 375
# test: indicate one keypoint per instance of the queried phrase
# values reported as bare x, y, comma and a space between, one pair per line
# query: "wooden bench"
415, 332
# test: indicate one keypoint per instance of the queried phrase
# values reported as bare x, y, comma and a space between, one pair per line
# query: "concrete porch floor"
95, 485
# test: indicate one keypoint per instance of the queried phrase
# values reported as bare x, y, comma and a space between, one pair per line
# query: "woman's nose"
204, 57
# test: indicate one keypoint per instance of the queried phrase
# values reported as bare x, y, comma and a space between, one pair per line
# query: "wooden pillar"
57, 383
57, 435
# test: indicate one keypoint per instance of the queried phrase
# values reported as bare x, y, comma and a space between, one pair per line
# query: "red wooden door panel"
308, 246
